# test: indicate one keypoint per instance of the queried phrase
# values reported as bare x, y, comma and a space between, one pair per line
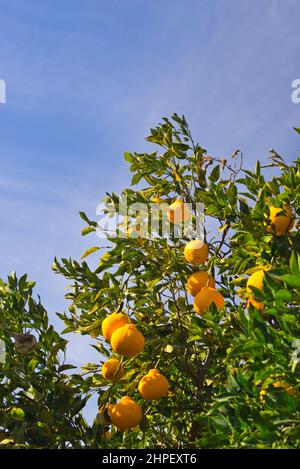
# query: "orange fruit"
198, 280
281, 220
153, 385
255, 280
280, 384
178, 212
196, 252
126, 414
128, 341
288, 388
109, 369
207, 296
113, 322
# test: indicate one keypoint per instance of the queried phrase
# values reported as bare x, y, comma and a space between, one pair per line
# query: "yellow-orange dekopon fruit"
281, 220
287, 387
153, 385
198, 280
280, 384
112, 323
205, 298
109, 369
255, 280
126, 414
178, 212
128, 341
196, 252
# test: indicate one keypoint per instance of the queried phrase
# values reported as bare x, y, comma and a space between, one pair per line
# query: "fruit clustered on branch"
193, 362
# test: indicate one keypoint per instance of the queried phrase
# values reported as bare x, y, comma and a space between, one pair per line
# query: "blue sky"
87, 79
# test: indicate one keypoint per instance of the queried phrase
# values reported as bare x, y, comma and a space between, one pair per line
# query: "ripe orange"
109, 369
153, 385
178, 212
196, 252
205, 298
256, 280
128, 341
287, 387
198, 280
280, 384
113, 322
126, 414
281, 220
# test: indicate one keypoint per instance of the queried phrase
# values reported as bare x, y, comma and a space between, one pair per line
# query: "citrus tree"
197, 334
216, 370
39, 404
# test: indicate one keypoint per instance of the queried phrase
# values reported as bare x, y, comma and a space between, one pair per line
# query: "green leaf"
215, 174
87, 220
66, 367
291, 280
90, 251
294, 263
87, 230
128, 157
136, 179
283, 295
90, 367
95, 325
17, 413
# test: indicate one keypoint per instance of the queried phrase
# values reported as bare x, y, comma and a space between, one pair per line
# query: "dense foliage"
39, 405
233, 373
